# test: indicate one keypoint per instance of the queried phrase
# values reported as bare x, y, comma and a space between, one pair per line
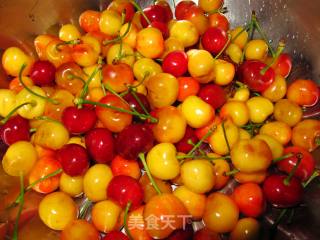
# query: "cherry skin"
283, 65
214, 39
182, 234
100, 145
134, 104
42, 73
153, 13
163, 27
134, 139
166, 7
281, 195
213, 94
175, 63
124, 189
182, 9
184, 144
15, 129
74, 159
306, 166
250, 74
115, 235
78, 121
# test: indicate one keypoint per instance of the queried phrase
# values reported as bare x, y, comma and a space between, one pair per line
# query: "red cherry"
124, 189
134, 104
79, 121
100, 145
219, 20
74, 159
15, 129
115, 235
155, 13
163, 27
281, 195
213, 94
166, 7
182, 9
250, 74
283, 65
306, 166
42, 72
183, 145
134, 139
175, 63
214, 39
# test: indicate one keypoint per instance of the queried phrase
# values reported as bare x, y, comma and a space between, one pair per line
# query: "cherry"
131, 99
175, 63
214, 40
213, 94
115, 235
79, 121
305, 168
166, 7
100, 144
280, 194
154, 13
15, 129
42, 72
74, 159
134, 139
163, 27
250, 73
283, 65
182, 9
124, 189
184, 145
185, 233
206, 234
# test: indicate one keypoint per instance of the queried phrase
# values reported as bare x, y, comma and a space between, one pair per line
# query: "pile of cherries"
146, 117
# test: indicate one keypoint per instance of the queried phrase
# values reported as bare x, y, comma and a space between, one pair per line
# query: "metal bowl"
295, 21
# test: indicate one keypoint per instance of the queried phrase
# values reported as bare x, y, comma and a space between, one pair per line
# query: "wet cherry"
42, 72
15, 129
154, 13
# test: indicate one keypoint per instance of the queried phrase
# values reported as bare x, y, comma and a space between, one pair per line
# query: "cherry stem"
224, 47
261, 32
278, 220
84, 208
280, 49
219, 10
225, 136
123, 16
144, 163
126, 228
16, 225
72, 76
134, 88
313, 176
119, 37
13, 111
287, 180
317, 140
193, 144
53, 101
182, 157
174, 4
141, 116
139, 102
250, 33
71, 42
85, 88
198, 144
232, 172
137, 6
45, 118
282, 157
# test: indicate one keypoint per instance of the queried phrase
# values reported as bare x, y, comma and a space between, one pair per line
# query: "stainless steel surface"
296, 21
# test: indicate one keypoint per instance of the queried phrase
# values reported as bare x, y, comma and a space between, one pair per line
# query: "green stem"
71, 42
224, 47
277, 54
282, 157
141, 116
53, 101
72, 76
313, 176
144, 163
13, 111
137, 6
119, 37
225, 136
139, 102
222, 10
16, 225
45, 118
250, 33
180, 157
126, 211
232, 172
84, 209
198, 144
287, 180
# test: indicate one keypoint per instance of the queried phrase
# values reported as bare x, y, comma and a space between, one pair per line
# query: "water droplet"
285, 6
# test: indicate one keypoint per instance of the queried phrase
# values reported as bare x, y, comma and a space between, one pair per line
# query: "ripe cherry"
154, 13
74, 159
42, 72
283, 65
250, 74
134, 139
214, 39
100, 144
163, 27
182, 8
188, 141
15, 129
175, 63
213, 94
166, 7
134, 104
280, 194
115, 235
78, 121
124, 189
185, 233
